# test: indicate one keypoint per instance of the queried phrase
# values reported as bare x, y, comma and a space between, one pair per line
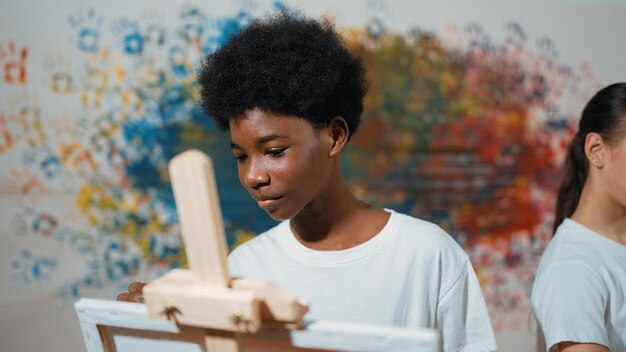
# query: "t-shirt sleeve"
233, 264
569, 302
462, 315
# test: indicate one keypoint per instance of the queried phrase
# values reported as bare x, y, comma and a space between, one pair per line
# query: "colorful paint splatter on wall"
471, 137
458, 129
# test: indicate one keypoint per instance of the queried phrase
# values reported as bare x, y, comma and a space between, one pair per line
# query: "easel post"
205, 296
195, 193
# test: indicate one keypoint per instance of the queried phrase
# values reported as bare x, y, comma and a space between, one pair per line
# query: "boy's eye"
276, 152
240, 157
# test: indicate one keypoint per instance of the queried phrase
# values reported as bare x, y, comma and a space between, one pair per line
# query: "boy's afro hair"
285, 64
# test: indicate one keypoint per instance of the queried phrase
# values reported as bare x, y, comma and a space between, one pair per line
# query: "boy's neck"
338, 221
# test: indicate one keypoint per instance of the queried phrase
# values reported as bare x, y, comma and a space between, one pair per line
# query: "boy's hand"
134, 293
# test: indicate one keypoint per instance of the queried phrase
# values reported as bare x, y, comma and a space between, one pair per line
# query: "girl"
578, 294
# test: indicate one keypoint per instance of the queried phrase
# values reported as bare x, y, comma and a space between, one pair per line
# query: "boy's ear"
595, 149
338, 133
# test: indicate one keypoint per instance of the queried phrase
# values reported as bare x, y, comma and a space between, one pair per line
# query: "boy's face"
283, 161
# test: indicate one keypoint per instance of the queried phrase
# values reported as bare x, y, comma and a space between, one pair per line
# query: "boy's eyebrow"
260, 141
269, 137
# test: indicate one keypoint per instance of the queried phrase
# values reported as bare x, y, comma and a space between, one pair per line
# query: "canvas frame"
110, 326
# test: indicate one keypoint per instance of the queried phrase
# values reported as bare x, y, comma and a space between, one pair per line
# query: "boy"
291, 96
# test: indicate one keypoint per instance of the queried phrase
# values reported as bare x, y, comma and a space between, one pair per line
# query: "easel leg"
222, 341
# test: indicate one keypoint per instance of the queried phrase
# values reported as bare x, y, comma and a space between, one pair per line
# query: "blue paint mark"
376, 28
119, 261
163, 249
26, 254
30, 267
51, 166
132, 40
174, 103
280, 6
42, 268
138, 221
144, 174
88, 30
226, 28
193, 21
141, 134
559, 124
88, 39
176, 58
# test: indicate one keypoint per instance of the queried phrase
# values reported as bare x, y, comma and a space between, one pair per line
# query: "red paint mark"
6, 138
15, 70
25, 182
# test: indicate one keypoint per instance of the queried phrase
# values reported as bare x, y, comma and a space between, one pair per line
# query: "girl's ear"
338, 133
595, 149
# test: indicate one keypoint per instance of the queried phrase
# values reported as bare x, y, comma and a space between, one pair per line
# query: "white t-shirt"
578, 294
410, 274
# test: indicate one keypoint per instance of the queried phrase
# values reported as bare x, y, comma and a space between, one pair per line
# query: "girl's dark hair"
605, 114
287, 64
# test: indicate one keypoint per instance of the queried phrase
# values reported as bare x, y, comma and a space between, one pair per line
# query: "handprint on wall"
154, 30
61, 76
193, 24
30, 267
131, 37
23, 181
6, 137
87, 27
78, 157
14, 66
45, 224
29, 117
96, 78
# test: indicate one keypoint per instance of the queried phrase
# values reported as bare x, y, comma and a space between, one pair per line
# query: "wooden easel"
205, 296
203, 309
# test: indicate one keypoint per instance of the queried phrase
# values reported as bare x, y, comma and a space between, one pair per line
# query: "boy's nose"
256, 177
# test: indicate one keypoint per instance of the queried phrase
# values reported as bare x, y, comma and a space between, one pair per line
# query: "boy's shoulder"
424, 230
428, 239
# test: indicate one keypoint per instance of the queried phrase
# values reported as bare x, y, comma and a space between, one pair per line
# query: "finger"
136, 287
135, 298
122, 297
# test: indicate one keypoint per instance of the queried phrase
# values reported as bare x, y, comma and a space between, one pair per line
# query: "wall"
470, 108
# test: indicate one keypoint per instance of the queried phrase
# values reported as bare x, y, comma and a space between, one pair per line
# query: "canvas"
110, 326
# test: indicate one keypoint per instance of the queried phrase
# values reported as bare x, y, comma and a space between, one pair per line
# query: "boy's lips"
266, 201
